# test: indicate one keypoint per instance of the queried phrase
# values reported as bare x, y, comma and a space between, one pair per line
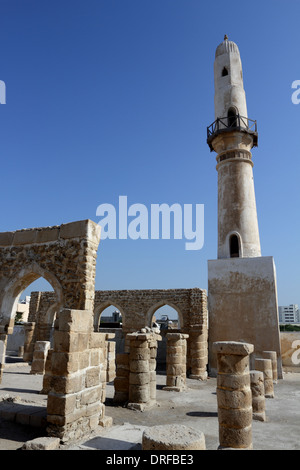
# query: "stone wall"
77, 379
137, 308
242, 304
66, 257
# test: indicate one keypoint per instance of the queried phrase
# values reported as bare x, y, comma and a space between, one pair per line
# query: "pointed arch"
160, 304
18, 283
101, 307
232, 116
234, 244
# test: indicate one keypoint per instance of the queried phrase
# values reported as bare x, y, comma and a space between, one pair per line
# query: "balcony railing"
232, 123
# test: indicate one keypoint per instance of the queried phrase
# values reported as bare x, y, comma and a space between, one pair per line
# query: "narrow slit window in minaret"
234, 247
224, 72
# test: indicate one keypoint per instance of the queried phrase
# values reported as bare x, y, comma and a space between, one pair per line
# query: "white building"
289, 314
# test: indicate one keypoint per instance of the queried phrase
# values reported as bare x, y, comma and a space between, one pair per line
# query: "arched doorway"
37, 304
167, 318
109, 318
232, 117
108, 314
15, 291
234, 246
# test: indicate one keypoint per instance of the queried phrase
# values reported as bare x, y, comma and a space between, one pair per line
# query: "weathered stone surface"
234, 395
273, 356
233, 348
42, 443
176, 361
258, 395
265, 366
172, 437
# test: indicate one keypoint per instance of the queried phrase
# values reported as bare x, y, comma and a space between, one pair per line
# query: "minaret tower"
242, 291
232, 136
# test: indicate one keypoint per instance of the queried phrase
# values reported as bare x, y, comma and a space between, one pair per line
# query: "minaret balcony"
232, 124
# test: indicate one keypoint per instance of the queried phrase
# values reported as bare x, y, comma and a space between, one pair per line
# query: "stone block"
172, 437
92, 377
64, 363
47, 235
61, 404
6, 238
97, 340
42, 443
81, 229
139, 378
91, 395
139, 366
80, 321
24, 237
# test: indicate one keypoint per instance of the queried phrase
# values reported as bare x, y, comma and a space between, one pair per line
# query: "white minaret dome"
227, 46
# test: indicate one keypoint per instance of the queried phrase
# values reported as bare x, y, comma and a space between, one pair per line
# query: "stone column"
258, 395
41, 349
29, 341
43, 332
3, 342
139, 371
198, 353
74, 407
47, 375
111, 357
234, 394
176, 361
152, 369
265, 366
273, 356
121, 382
141, 365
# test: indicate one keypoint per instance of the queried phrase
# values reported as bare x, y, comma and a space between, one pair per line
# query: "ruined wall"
66, 257
138, 306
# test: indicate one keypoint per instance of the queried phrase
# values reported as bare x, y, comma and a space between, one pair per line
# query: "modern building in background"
289, 314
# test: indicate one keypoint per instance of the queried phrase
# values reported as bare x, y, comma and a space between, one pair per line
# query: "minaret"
232, 136
242, 291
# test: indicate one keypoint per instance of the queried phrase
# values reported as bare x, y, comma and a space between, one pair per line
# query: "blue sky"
112, 97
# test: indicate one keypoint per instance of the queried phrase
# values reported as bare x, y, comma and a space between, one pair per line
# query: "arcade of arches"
69, 318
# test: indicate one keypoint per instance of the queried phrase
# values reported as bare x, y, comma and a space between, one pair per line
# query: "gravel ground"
195, 407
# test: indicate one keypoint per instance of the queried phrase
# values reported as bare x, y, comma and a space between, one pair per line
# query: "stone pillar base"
172, 437
202, 376
142, 406
175, 389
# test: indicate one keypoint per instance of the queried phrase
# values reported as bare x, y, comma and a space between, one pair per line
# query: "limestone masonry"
230, 331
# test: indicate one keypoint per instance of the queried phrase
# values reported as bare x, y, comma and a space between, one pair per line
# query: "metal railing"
232, 123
